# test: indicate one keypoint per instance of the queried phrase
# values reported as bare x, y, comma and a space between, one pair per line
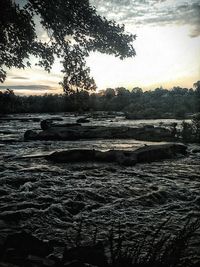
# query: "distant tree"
7, 101
137, 91
74, 29
82, 99
197, 92
158, 92
148, 104
197, 85
121, 91
109, 93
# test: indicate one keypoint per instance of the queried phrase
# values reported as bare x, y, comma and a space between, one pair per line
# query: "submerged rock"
129, 158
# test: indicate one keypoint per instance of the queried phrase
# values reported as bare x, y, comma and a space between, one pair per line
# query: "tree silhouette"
73, 28
136, 104
197, 91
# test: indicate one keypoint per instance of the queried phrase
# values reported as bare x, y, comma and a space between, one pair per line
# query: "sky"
167, 49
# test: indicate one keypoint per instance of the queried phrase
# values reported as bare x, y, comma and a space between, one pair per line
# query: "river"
49, 199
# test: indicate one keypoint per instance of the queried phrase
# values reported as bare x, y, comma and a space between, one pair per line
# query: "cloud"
18, 78
145, 12
152, 12
35, 87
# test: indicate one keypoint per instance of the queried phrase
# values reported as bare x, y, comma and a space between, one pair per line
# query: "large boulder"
123, 157
82, 155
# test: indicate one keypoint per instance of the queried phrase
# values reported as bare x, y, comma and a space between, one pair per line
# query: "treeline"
159, 103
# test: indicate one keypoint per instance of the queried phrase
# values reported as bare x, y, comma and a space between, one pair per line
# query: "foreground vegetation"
190, 132
159, 103
159, 250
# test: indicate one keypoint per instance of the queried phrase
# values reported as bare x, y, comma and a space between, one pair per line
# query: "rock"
82, 155
196, 150
88, 254
60, 133
24, 244
76, 132
72, 155
123, 157
82, 120
159, 152
45, 124
30, 135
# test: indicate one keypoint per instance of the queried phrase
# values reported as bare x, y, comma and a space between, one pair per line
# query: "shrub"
158, 250
190, 132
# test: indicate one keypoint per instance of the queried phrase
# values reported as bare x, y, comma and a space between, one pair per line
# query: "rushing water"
49, 199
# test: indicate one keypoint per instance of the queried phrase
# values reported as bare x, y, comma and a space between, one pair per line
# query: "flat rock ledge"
144, 154
77, 132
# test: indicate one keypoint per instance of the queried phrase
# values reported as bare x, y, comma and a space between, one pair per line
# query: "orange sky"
167, 47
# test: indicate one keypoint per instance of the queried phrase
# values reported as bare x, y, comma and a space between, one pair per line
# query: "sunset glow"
166, 56
167, 48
